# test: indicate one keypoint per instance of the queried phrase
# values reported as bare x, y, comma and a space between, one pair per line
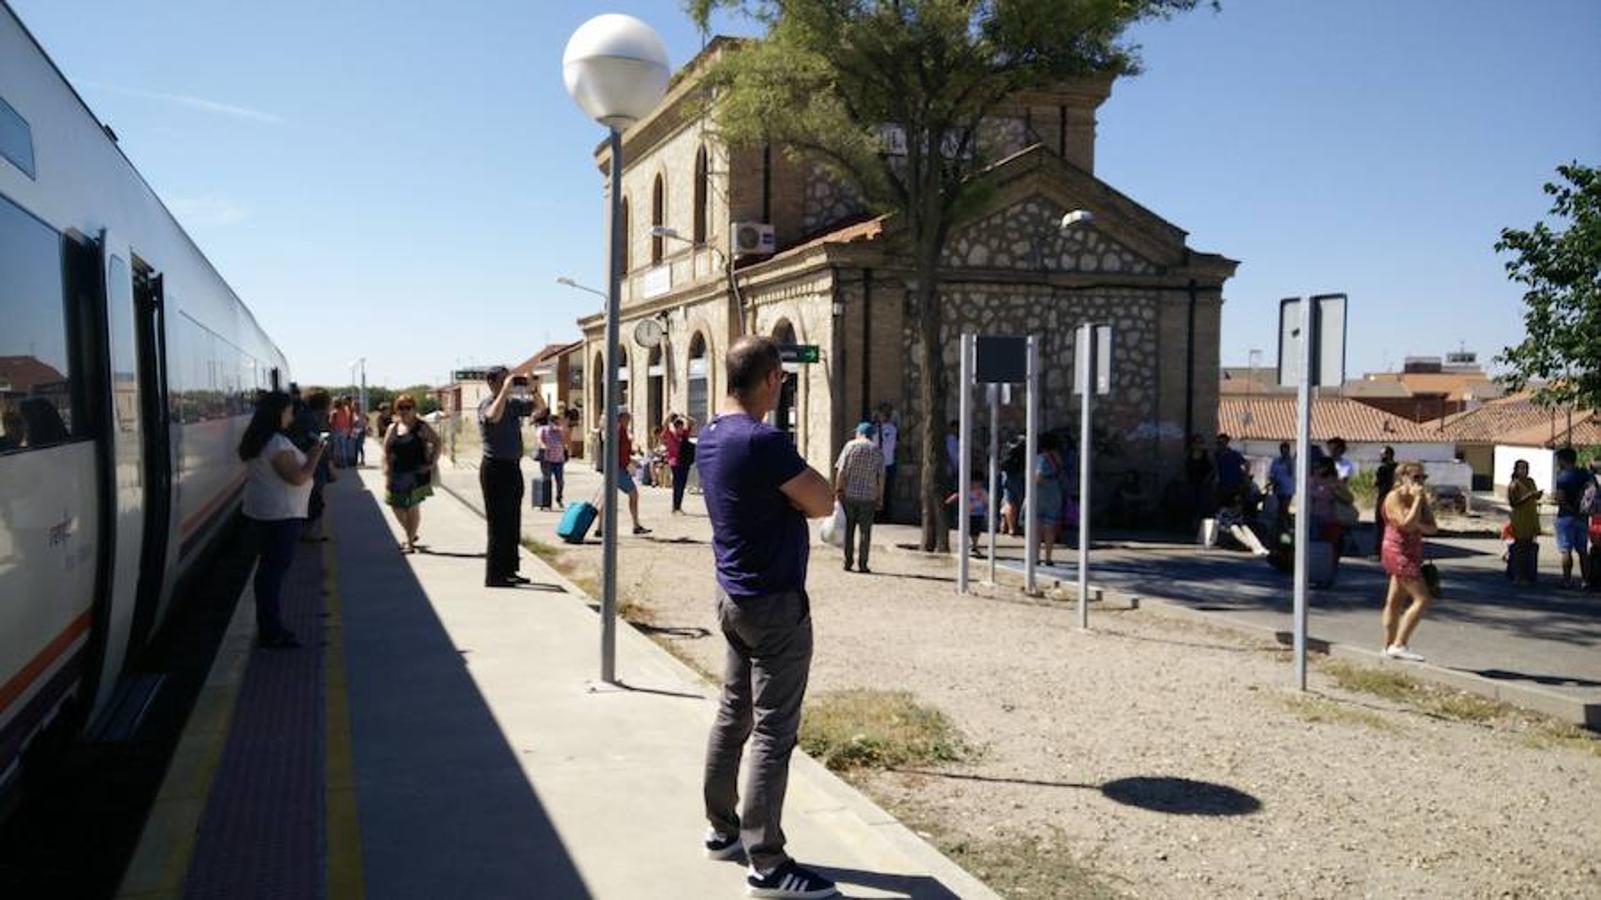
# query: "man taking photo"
759, 494
500, 475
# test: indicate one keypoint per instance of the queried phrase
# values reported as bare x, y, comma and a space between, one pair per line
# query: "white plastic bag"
832, 531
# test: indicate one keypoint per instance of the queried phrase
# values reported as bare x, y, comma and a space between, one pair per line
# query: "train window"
16, 138
36, 396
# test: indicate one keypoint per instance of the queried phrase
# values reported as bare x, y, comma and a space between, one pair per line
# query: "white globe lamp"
615, 68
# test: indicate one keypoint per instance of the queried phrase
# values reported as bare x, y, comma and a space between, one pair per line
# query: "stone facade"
842, 282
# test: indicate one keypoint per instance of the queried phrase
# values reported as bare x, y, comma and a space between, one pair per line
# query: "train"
128, 370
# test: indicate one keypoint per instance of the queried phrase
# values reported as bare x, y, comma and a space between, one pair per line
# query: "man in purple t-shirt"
759, 494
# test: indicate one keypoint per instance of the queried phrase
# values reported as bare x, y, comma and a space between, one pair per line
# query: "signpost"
1311, 353
799, 354
996, 362
1094, 357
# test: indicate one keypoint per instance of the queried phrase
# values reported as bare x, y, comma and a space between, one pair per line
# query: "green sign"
799, 353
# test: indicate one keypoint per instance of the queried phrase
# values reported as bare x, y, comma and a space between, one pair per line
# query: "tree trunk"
931, 397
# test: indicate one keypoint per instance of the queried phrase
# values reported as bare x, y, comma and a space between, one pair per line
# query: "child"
978, 511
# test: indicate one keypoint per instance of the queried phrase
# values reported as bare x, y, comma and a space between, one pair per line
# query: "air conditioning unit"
752, 239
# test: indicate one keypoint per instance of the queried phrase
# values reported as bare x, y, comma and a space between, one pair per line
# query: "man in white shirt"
1343, 467
885, 433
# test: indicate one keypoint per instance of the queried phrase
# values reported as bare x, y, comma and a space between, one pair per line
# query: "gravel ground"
1080, 735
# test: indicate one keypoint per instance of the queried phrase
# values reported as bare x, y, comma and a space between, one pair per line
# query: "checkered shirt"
861, 469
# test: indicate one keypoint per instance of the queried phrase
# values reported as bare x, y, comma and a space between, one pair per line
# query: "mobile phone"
519, 381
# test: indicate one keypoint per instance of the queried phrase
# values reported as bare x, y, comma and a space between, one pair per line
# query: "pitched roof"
1553, 431
546, 352
1270, 418
1493, 422
26, 373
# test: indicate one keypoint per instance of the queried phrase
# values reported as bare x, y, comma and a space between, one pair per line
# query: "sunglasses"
405, 409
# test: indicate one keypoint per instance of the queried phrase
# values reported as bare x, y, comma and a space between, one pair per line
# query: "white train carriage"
127, 366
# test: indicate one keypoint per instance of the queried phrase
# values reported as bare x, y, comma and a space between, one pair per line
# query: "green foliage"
1562, 271
1364, 486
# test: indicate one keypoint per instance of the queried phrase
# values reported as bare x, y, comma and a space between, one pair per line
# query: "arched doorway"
784, 417
697, 400
655, 389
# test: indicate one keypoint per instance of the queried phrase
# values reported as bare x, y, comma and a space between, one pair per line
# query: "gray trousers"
764, 681
858, 518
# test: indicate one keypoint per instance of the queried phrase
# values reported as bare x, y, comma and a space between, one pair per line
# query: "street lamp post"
615, 68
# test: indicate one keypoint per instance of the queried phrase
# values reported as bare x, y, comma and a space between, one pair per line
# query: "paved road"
1539, 636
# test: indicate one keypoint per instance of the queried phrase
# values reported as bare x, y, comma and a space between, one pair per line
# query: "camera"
519, 381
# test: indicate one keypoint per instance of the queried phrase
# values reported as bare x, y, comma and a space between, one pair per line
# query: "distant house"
1496, 435
1259, 424
1427, 388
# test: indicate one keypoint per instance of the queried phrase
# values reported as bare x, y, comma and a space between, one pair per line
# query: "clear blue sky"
405, 180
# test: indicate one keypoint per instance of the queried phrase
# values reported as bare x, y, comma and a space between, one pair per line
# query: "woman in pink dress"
1407, 517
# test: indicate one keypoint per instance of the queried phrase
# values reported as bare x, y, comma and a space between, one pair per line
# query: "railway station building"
836, 276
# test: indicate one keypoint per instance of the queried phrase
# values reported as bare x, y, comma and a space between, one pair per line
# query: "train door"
151, 349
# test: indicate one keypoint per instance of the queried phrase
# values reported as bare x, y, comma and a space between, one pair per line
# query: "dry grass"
1015, 865
579, 574
1313, 708
1551, 735
877, 729
1442, 702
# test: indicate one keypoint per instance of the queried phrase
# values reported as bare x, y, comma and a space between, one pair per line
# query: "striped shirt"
861, 469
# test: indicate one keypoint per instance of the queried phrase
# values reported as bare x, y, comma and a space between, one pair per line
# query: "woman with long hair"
277, 492
1524, 498
1408, 516
1049, 491
410, 448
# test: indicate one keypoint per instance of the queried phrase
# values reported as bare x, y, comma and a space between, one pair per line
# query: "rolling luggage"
540, 496
576, 522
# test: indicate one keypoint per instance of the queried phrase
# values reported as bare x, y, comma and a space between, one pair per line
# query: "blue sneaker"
790, 882
719, 847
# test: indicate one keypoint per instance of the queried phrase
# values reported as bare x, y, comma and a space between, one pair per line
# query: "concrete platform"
464, 748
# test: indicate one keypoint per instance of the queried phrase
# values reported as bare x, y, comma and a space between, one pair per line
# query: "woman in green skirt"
410, 448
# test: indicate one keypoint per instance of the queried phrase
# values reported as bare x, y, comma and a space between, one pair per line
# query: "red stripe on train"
52, 651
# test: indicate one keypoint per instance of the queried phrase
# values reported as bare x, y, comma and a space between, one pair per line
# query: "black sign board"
1001, 360
799, 353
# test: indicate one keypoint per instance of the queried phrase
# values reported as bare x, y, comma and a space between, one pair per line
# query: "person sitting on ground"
1523, 496
1232, 472
1409, 517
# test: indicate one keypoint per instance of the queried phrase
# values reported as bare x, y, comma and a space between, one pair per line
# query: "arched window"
696, 404
658, 218
702, 195
627, 238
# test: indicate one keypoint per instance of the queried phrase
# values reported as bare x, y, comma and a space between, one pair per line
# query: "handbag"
1431, 579
1345, 513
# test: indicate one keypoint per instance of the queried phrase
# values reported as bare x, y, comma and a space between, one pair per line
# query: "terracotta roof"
26, 373
1456, 386
1273, 419
1374, 388
1554, 431
1493, 422
868, 230
546, 352
1241, 380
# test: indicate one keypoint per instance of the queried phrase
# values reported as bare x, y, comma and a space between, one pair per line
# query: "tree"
830, 75
1561, 346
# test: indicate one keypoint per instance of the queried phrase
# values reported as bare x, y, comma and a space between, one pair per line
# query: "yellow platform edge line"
160, 861
344, 828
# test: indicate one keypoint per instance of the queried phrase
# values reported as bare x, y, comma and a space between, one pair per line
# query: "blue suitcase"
576, 522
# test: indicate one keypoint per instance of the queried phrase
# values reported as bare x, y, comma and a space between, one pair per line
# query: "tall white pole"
1303, 478
1087, 369
992, 508
1031, 451
613, 519
964, 462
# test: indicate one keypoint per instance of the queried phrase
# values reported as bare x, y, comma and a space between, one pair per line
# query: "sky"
404, 181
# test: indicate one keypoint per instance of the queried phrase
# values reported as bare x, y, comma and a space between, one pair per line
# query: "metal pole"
612, 520
964, 462
364, 389
1303, 477
1086, 376
995, 470
1031, 449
